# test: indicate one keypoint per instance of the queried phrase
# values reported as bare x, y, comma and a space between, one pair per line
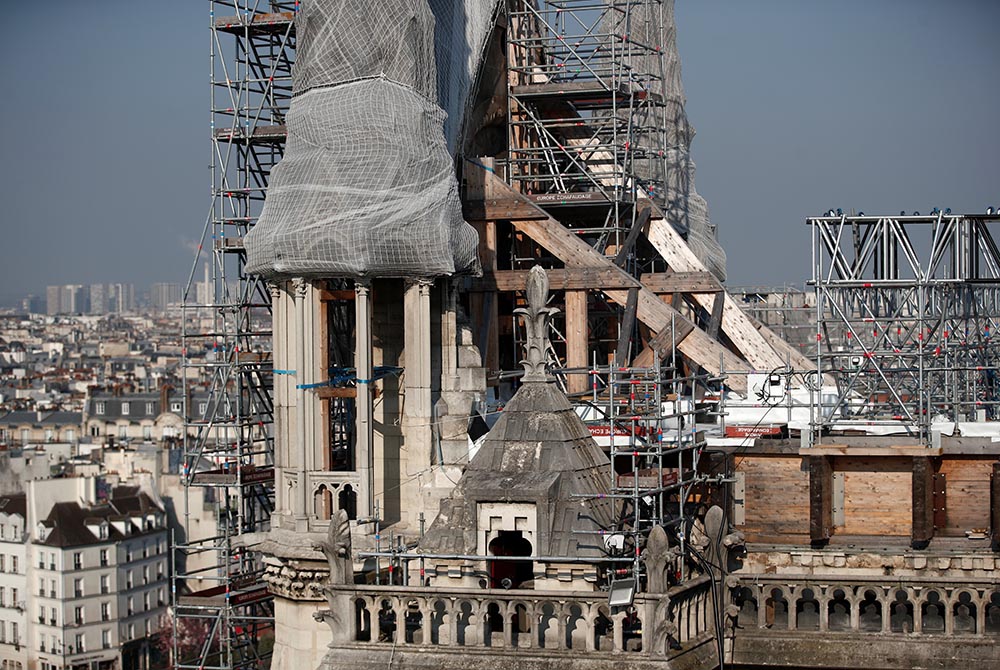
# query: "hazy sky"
800, 106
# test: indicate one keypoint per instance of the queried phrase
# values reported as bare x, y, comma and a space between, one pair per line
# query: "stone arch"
632, 632
441, 617
870, 612
347, 500
963, 611
548, 627
604, 630
576, 624
510, 574
493, 624
387, 621
901, 613
932, 613
519, 620
992, 619
362, 621
746, 600
465, 615
776, 608
838, 611
807, 610
322, 502
413, 623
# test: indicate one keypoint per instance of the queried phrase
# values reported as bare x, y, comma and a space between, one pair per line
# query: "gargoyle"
337, 549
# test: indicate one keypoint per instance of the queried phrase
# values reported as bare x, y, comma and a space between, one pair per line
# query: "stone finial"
337, 549
657, 556
536, 323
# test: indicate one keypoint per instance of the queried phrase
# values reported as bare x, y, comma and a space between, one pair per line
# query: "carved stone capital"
301, 287
297, 581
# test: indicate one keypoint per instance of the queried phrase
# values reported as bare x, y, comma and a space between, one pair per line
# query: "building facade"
90, 585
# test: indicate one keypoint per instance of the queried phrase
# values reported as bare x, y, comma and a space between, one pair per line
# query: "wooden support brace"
681, 282
696, 345
565, 279
577, 341
820, 499
715, 322
633, 235
923, 502
995, 507
625, 328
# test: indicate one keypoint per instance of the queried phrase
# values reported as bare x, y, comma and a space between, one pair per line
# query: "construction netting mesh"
684, 208
367, 185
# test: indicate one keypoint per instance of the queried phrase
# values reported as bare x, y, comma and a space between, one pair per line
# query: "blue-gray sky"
800, 106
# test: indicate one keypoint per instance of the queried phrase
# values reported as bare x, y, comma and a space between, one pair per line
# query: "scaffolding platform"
262, 23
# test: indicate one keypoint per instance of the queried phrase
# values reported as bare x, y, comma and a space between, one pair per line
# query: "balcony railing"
457, 619
867, 605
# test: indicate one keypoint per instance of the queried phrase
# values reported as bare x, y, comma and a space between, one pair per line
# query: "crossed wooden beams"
489, 199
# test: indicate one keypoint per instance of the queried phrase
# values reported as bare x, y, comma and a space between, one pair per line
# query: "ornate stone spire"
536, 323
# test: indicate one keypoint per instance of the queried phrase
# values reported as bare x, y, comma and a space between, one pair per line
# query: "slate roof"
539, 451
68, 520
56, 418
16, 503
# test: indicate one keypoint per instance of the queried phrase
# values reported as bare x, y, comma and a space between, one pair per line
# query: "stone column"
364, 425
417, 433
283, 365
300, 503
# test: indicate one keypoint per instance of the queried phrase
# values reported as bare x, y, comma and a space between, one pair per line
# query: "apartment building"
91, 581
13, 583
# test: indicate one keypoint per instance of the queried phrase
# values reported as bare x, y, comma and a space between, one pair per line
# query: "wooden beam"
922, 529
625, 329
870, 450
566, 279
498, 209
574, 252
483, 305
735, 323
330, 392
664, 342
715, 320
327, 295
577, 343
696, 281
820, 499
633, 235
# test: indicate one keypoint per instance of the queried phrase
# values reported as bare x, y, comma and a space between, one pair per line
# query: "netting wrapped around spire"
685, 209
367, 185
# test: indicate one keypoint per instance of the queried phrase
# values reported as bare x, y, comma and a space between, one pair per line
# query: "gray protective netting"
367, 184
685, 209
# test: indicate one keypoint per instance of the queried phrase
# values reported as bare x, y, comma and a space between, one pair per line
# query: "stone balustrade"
453, 618
873, 605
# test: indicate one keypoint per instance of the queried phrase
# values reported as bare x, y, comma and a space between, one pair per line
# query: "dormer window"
126, 407
100, 408
176, 407
150, 409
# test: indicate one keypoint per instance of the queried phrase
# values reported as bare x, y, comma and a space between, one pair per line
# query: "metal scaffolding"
646, 419
907, 310
787, 310
228, 458
586, 115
